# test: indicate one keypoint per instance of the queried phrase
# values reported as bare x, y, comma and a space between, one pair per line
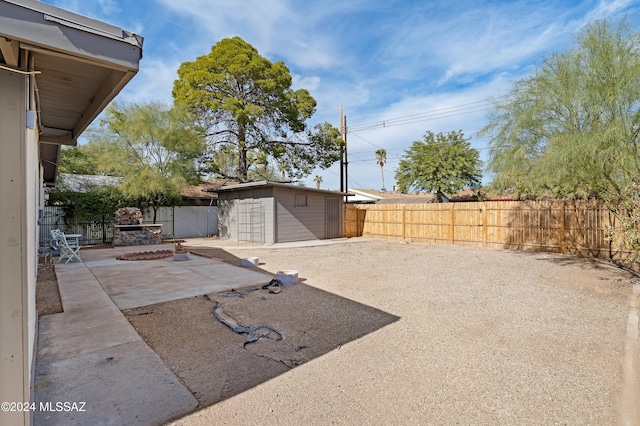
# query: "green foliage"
152, 147
97, 204
77, 160
572, 126
247, 105
442, 164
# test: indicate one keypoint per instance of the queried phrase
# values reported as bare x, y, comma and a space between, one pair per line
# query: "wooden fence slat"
564, 226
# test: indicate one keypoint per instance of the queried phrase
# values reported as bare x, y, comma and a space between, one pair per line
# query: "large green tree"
440, 163
246, 102
152, 147
573, 126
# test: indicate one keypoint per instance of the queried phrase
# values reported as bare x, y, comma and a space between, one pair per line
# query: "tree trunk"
242, 155
382, 172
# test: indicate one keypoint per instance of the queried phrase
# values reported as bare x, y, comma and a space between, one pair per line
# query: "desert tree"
572, 126
440, 163
247, 105
152, 146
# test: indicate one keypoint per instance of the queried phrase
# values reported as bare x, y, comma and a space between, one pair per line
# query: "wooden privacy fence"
572, 227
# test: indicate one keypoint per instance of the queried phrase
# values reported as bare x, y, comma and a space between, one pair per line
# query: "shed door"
333, 224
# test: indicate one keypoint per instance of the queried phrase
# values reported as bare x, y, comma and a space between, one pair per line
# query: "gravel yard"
385, 332
482, 337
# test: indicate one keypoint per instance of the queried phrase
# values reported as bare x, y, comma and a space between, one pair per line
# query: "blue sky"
398, 68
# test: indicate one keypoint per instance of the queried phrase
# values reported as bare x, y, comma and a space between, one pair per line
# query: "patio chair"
69, 245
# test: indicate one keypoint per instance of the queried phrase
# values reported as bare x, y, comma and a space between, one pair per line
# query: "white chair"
69, 245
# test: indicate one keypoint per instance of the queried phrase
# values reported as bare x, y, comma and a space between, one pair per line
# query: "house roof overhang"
78, 65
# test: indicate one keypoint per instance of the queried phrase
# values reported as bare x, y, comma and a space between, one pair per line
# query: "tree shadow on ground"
590, 263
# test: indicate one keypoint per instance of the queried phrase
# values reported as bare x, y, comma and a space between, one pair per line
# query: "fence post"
563, 238
451, 223
484, 224
404, 221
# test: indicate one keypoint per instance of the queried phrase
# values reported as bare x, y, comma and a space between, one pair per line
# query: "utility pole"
346, 161
341, 154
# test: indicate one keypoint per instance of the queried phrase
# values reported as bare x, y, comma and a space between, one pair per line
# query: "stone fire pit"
129, 230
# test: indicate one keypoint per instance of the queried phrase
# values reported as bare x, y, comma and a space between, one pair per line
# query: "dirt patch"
146, 255
47, 295
215, 363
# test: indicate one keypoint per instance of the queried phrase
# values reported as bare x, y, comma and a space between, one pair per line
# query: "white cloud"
153, 82
310, 83
109, 6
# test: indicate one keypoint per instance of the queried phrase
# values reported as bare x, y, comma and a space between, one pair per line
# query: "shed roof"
78, 66
270, 184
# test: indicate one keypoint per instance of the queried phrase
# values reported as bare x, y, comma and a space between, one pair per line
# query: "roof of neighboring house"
464, 195
78, 65
388, 197
85, 183
269, 184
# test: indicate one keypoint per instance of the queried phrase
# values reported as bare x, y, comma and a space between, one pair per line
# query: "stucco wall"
33, 204
18, 182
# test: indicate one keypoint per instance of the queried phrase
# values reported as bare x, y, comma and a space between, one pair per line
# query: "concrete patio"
91, 346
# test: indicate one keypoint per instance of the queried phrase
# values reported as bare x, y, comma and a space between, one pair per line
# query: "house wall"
19, 186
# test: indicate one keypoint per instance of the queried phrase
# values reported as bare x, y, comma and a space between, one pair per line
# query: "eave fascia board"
23, 22
114, 83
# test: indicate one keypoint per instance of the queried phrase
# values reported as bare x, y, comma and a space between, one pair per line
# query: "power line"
452, 111
423, 113
412, 120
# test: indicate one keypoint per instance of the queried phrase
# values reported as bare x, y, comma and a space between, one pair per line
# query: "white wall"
186, 221
195, 221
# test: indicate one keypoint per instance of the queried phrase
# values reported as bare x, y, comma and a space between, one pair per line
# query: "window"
301, 201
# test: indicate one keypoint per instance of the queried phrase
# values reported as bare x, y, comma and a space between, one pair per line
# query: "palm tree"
381, 159
318, 181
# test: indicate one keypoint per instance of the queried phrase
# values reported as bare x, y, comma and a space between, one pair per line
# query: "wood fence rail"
584, 228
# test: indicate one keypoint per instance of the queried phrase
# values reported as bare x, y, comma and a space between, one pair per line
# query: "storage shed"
271, 212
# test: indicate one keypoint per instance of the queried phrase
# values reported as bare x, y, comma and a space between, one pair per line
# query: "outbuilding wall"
268, 215
297, 221
247, 215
